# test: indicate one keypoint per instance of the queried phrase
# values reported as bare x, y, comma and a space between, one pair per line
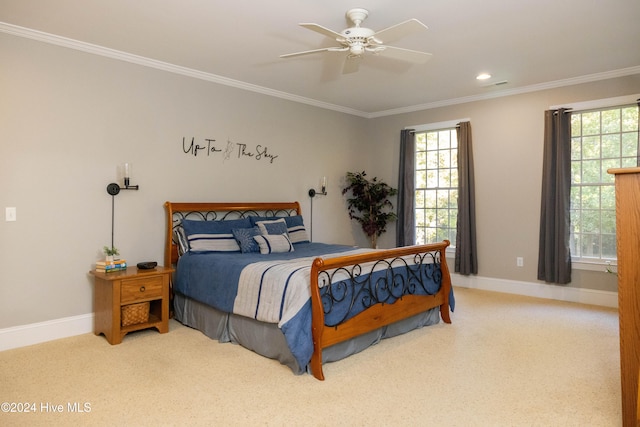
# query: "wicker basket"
133, 314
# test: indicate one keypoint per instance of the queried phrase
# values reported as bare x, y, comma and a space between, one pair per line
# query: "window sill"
593, 266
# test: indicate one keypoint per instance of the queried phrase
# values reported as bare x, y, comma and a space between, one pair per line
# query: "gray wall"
69, 119
507, 143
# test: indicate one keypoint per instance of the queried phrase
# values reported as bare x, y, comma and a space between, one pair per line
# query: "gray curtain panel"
466, 260
405, 233
554, 255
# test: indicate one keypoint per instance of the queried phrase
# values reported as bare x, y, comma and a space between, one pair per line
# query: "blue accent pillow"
276, 226
256, 219
295, 227
244, 237
213, 236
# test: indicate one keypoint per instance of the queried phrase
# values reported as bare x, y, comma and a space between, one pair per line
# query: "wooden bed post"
317, 320
169, 235
446, 284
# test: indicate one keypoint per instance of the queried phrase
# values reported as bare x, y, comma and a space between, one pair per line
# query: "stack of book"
111, 266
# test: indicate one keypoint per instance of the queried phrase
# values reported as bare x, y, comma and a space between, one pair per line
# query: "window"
600, 139
436, 186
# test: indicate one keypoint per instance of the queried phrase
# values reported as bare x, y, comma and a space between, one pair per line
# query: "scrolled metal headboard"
177, 211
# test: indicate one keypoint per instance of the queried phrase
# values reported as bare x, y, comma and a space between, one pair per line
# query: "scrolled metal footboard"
348, 290
355, 294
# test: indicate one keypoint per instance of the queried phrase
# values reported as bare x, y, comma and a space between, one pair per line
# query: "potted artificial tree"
369, 204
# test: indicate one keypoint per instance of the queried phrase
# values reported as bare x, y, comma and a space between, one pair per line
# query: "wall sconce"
113, 189
313, 193
322, 192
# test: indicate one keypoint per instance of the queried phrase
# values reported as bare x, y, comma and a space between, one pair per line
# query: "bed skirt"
268, 340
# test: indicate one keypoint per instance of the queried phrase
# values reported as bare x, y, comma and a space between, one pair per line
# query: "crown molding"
189, 72
165, 66
509, 92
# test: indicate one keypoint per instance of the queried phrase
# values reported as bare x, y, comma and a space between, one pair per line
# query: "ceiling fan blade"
324, 31
404, 54
307, 52
398, 31
351, 65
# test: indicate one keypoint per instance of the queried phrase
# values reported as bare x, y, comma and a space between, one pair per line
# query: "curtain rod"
437, 125
599, 103
413, 131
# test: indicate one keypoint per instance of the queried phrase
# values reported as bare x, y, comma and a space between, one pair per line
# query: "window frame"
597, 264
431, 127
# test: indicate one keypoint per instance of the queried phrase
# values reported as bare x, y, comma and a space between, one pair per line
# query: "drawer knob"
142, 288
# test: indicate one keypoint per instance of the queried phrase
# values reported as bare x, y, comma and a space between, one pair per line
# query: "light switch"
11, 214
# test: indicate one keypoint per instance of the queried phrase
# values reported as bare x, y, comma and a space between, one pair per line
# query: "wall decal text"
229, 151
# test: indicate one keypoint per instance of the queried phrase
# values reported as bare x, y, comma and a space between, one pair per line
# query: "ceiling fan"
358, 41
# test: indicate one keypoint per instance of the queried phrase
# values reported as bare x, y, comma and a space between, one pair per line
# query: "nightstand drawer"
141, 289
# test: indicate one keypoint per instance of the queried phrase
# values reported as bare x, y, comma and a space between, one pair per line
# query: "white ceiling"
532, 44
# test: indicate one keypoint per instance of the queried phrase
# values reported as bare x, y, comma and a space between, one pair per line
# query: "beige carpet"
505, 361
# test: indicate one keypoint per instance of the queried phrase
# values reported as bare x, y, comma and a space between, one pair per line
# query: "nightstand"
119, 293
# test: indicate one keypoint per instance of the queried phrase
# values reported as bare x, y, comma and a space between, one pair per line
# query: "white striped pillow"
295, 227
273, 243
213, 236
298, 234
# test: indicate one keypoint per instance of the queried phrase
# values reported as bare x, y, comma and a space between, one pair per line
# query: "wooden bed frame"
378, 313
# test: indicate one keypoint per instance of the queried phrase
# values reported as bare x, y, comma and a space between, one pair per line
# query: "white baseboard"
539, 290
35, 333
21, 336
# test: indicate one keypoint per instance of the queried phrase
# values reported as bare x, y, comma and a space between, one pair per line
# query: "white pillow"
273, 243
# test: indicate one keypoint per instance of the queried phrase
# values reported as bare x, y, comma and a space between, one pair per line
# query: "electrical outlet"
10, 214
519, 261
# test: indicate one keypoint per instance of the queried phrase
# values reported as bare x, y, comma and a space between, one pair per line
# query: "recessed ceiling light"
483, 76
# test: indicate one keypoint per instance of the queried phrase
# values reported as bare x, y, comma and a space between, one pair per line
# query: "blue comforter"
272, 288
213, 277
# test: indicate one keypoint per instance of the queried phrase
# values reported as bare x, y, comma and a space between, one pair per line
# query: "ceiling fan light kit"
358, 41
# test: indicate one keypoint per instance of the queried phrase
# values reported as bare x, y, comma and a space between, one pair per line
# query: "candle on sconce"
124, 171
324, 184
127, 174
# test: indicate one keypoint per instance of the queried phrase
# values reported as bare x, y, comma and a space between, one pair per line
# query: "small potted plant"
110, 252
369, 204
